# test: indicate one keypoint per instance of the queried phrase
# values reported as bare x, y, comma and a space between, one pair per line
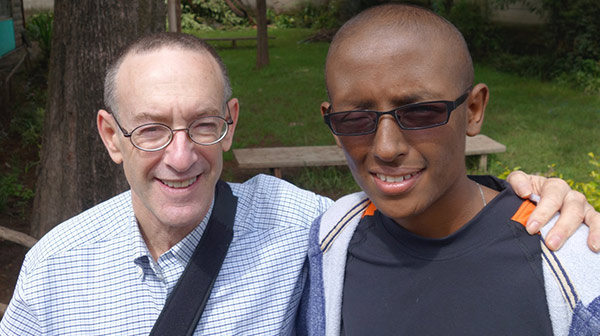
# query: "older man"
111, 269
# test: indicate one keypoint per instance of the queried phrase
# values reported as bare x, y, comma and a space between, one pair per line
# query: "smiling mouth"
179, 184
391, 179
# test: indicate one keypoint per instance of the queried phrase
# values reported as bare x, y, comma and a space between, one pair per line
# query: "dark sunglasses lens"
348, 123
424, 115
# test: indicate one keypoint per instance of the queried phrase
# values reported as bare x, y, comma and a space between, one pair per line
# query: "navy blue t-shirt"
485, 279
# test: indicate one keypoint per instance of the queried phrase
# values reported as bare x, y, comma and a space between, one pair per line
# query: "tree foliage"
571, 33
572, 26
204, 14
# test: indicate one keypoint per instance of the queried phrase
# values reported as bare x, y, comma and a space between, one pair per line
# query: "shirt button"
140, 272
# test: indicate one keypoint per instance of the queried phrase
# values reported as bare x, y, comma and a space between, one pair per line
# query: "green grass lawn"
279, 104
540, 123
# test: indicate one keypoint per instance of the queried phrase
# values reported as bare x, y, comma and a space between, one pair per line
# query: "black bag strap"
185, 305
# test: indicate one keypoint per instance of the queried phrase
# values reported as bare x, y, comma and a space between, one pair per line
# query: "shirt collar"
182, 251
185, 248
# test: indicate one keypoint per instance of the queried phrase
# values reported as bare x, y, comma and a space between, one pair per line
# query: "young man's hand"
556, 195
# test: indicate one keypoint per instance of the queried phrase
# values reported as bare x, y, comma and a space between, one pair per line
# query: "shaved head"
388, 23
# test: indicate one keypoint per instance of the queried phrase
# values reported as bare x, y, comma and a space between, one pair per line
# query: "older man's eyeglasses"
409, 117
204, 131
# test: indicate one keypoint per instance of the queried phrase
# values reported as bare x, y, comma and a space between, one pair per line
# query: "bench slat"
306, 156
234, 39
482, 144
282, 157
244, 38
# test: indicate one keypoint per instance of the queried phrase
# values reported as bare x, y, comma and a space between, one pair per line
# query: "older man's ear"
110, 135
234, 110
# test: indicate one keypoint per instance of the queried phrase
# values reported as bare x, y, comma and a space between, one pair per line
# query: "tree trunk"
174, 15
262, 44
246, 8
234, 9
75, 171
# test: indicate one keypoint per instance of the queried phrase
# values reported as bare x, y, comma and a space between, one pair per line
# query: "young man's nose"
181, 153
389, 141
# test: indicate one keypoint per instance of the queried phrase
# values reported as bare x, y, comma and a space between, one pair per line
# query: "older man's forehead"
180, 76
151, 66
168, 56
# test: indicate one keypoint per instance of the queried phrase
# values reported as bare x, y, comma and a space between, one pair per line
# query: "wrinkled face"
172, 187
403, 172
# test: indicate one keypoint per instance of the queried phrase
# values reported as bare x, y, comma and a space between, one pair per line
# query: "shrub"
535, 66
308, 15
210, 14
13, 191
473, 21
28, 125
188, 22
571, 39
282, 20
590, 189
39, 29
581, 73
323, 17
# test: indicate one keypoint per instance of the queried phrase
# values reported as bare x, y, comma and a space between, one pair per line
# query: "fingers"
555, 195
592, 219
571, 216
522, 183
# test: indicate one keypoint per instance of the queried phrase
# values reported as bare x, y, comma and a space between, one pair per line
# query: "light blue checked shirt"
93, 274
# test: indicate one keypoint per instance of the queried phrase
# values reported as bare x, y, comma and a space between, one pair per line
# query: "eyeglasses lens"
151, 136
421, 116
353, 122
412, 117
208, 130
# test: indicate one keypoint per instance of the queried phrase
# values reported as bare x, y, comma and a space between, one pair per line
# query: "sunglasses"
409, 117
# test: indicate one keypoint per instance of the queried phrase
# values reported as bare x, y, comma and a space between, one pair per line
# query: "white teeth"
179, 184
387, 178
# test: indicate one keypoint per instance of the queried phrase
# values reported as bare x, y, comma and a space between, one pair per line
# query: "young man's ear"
234, 111
476, 104
110, 135
324, 107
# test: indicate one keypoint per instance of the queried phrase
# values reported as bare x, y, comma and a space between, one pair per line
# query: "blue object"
7, 36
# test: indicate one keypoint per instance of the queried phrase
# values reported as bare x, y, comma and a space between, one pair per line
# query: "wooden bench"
276, 158
234, 39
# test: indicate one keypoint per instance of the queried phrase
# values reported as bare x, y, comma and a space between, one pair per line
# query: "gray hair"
155, 42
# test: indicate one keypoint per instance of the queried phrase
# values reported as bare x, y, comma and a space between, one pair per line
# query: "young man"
424, 249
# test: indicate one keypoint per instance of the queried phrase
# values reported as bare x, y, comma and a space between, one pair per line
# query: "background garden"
544, 80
